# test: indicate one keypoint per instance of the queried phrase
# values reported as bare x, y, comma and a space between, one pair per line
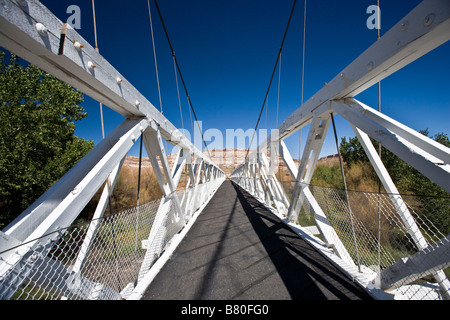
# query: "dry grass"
125, 192
361, 177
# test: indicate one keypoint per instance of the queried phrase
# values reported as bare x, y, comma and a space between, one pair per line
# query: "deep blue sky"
227, 50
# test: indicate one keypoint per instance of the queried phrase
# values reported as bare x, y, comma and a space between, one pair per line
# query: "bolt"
429, 19
404, 25
41, 29
77, 45
4, 5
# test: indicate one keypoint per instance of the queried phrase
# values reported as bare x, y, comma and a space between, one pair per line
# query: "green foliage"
38, 145
433, 199
407, 179
328, 176
352, 151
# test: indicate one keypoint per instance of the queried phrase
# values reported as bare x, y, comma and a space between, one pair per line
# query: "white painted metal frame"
60, 205
423, 29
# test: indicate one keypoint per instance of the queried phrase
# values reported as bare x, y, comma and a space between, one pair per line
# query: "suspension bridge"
238, 237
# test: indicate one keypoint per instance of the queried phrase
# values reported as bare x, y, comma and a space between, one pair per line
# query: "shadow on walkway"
306, 274
237, 249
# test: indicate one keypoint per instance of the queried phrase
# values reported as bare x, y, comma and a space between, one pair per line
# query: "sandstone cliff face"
226, 159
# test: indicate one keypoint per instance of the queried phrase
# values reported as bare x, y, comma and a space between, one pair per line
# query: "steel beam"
103, 83
425, 28
402, 145
316, 137
428, 261
60, 205
96, 221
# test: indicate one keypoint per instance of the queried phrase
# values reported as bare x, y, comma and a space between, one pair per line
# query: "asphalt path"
237, 249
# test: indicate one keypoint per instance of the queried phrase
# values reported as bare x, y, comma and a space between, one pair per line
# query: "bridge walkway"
237, 249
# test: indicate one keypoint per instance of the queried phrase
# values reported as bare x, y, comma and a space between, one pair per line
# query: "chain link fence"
95, 260
379, 230
399, 241
103, 259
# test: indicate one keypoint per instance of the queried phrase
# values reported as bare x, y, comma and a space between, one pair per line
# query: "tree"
406, 178
352, 151
436, 204
434, 201
37, 134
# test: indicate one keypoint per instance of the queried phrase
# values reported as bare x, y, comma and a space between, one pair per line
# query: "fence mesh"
102, 270
381, 229
103, 259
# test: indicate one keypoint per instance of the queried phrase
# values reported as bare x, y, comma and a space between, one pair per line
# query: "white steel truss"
30, 30
422, 30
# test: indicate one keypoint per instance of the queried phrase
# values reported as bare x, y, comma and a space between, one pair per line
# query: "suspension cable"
379, 82
181, 76
304, 41
96, 49
190, 118
271, 78
95, 25
278, 96
303, 79
138, 207
267, 108
346, 194
154, 55
178, 93
276, 121
379, 154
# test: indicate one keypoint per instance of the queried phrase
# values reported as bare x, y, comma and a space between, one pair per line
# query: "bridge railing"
343, 220
374, 234
103, 259
368, 231
40, 255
